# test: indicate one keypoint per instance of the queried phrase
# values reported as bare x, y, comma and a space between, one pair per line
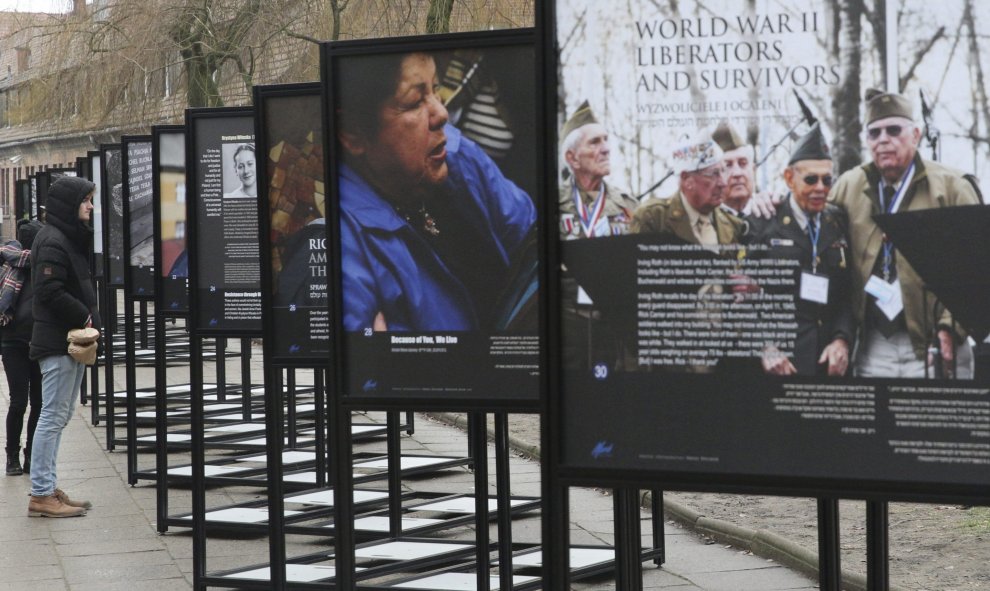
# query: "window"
23, 59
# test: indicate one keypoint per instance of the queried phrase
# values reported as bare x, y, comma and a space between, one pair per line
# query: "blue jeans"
61, 377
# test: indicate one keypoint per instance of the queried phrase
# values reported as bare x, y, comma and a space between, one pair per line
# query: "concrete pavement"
116, 546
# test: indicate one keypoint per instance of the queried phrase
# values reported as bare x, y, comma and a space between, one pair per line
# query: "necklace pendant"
430, 225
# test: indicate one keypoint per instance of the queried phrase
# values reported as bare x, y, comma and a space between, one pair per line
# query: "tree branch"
918, 57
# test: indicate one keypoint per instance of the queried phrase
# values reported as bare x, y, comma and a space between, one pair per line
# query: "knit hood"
62, 206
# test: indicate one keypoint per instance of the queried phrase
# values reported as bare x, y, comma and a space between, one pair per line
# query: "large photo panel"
41, 191
33, 186
138, 216
113, 208
433, 146
169, 182
22, 205
760, 209
293, 205
225, 260
96, 175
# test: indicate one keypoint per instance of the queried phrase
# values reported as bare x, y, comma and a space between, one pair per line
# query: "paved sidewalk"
116, 546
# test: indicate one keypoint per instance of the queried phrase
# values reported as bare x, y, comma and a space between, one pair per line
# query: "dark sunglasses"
892, 131
812, 180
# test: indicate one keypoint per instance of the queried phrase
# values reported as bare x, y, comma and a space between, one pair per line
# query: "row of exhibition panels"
202, 269
175, 255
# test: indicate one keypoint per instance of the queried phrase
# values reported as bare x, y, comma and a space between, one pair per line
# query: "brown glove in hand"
82, 344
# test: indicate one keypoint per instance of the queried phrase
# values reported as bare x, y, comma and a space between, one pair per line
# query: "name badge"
888, 296
781, 242
814, 288
583, 298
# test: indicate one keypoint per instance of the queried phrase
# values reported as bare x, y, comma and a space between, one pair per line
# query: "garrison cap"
880, 105
811, 146
583, 116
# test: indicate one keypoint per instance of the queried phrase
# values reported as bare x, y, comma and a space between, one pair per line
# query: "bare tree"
877, 19
125, 63
845, 42
208, 36
981, 104
438, 17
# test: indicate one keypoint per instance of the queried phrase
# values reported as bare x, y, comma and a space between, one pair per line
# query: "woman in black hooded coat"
64, 299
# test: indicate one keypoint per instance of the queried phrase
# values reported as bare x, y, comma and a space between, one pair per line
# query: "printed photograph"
240, 176
769, 135
437, 168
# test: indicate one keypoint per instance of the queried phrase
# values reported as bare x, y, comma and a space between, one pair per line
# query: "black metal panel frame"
161, 357
273, 364
98, 269
130, 370
332, 51
22, 198
192, 216
108, 307
91, 157
196, 336
262, 94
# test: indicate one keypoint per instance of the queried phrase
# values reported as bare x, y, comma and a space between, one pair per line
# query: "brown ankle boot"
60, 495
50, 506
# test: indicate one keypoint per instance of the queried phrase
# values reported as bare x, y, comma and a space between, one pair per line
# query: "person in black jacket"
23, 374
64, 299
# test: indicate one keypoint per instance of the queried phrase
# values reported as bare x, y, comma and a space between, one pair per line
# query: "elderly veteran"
739, 162
813, 233
589, 207
693, 213
888, 298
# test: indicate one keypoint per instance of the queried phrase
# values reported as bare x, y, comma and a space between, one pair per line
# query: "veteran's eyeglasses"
812, 179
891, 130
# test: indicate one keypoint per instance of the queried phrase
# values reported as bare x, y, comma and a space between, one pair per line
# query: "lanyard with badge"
814, 287
590, 220
887, 292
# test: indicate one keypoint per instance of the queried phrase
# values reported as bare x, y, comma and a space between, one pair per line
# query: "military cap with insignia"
811, 146
697, 154
583, 116
880, 105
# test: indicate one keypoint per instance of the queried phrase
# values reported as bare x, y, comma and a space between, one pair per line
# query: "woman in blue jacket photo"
431, 230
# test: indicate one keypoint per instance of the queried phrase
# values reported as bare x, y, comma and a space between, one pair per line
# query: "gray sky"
36, 5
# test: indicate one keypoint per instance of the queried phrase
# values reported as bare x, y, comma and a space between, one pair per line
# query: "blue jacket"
389, 268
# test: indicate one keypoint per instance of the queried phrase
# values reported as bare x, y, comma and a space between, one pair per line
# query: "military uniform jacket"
388, 267
668, 216
614, 221
857, 192
589, 337
818, 324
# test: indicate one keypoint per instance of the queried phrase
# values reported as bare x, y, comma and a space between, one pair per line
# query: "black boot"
13, 462
27, 459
